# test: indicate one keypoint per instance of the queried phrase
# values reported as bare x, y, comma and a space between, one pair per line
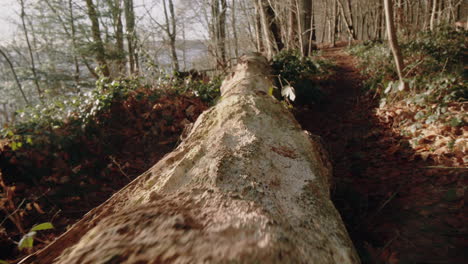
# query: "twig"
389, 243
388, 200
13, 219
119, 167
414, 67
445, 65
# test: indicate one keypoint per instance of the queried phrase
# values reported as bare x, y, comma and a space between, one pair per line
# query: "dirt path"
397, 210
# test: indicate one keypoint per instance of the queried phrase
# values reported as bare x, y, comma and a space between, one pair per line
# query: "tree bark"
258, 30
247, 185
271, 29
393, 41
335, 23
116, 12
234, 28
99, 46
170, 29
348, 23
433, 15
130, 33
218, 31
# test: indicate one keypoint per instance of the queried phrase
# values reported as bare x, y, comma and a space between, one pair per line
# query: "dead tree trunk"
393, 42
247, 185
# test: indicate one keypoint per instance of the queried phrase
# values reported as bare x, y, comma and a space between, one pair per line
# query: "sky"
9, 10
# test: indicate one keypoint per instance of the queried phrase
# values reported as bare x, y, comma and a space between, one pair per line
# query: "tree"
131, 36
75, 48
31, 57
393, 42
241, 188
98, 44
170, 29
348, 21
271, 30
433, 15
218, 31
116, 13
234, 28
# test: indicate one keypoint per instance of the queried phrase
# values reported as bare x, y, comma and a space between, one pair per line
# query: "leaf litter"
399, 177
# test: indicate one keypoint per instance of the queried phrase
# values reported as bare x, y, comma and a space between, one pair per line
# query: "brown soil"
397, 208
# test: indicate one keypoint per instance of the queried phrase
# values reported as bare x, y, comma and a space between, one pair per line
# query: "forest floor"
398, 206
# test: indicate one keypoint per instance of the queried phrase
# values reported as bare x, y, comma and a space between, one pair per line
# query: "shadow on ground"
397, 207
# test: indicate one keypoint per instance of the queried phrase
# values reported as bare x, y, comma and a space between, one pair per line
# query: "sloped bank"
247, 185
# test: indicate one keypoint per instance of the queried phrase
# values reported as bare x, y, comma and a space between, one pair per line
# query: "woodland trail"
396, 207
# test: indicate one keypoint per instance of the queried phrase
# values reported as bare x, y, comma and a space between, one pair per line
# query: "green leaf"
43, 226
270, 91
454, 122
27, 241
14, 146
3, 262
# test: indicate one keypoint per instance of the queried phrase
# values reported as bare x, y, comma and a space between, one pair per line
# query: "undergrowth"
301, 75
435, 67
74, 152
432, 112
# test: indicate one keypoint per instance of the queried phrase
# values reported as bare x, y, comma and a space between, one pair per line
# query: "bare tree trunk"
75, 49
247, 185
31, 57
234, 28
95, 29
18, 83
335, 22
351, 19
116, 10
258, 30
270, 27
433, 15
251, 23
170, 29
348, 22
309, 28
292, 34
184, 48
222, 33
392, 40
218, 31
130, 33
300, 14
378, 27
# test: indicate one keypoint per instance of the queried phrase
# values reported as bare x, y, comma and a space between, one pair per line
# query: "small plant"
27, 241
208, 92
298, 77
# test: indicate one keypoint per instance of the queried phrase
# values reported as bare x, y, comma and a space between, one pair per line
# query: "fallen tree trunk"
246, 185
